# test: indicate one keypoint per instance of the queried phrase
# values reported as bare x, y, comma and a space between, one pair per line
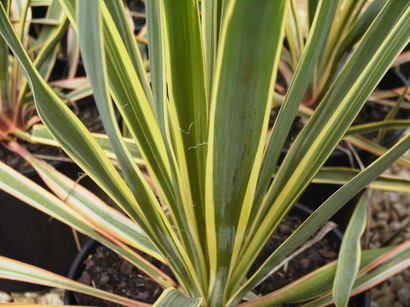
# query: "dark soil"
312, 258
294, 130
16, 162
107, 271
139, 7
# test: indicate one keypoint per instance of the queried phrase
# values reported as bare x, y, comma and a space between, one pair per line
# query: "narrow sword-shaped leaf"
350, 253
240, 105
374, 148
341, 175
211, 25
40, 134
5, 99
90, 206
157, 62
188, 113
119, 15
376, 126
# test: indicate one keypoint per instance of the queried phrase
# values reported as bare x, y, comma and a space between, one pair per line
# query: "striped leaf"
40, 134
240, 106
350, 253
341, 175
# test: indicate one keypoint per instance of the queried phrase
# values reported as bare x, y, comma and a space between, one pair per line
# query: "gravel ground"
52, 297
390, 215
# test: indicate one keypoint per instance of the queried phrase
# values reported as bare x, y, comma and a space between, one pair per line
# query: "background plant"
201, 132
345, 32
41, 39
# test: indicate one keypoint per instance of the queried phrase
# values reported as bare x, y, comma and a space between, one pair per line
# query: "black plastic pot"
77, 267
31, 236
362, 299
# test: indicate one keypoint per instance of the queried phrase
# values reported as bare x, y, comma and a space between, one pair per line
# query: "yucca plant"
17, 110
213, 193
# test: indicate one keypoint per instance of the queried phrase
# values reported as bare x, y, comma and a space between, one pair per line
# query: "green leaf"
379, 125
120, 18
240, 105
374, 148
40, 134
350, 254
172, 297
5, 99
157, 60
211, 26
341, 175
93, 209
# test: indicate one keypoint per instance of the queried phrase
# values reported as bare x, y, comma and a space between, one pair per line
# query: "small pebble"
406, 275
404, 295
25, 300
383, 216
41, 300
53, 299
104, 278
397, 284
385, 300
4, 297
394, 197
285, 229
401, 210
126, 268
